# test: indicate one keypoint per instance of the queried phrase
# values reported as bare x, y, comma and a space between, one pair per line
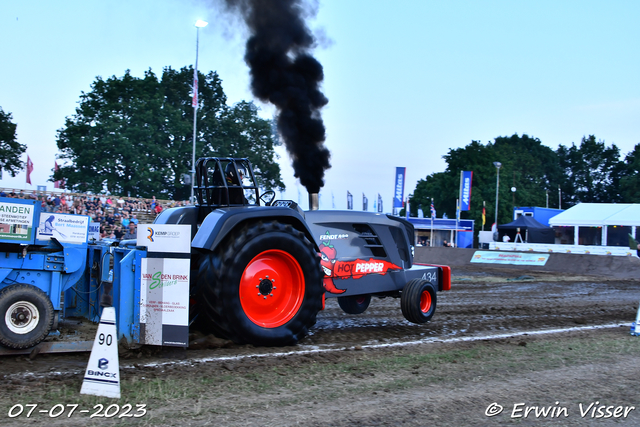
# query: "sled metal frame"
50, 347
92, 286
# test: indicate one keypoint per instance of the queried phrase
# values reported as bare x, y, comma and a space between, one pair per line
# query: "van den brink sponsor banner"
492, 257
164, 301
164, 290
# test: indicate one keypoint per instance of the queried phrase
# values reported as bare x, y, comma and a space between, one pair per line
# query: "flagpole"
432, 216
457, 219
194, 103
458, 205
406, 209
484, 214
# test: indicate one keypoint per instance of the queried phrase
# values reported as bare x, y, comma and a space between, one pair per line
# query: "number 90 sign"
105, 339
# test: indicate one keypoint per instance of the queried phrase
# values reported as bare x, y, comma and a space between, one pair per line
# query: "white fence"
563, 249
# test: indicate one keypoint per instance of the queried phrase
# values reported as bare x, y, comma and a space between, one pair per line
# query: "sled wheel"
355, 304
418, 301
27, 316
263, 286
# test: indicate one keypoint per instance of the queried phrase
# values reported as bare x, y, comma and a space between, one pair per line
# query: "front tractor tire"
418, 301
262, 287
26, 316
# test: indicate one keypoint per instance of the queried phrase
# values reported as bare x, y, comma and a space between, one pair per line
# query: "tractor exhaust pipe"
314, 203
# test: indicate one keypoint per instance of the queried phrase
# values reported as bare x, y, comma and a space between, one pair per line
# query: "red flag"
194, 101
29, 169
56, 184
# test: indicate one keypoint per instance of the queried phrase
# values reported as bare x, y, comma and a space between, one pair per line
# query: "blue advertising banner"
465, 190
398, 192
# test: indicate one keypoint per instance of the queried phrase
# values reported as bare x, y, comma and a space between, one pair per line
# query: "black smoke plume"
284, 73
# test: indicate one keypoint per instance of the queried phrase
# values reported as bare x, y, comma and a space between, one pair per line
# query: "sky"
407, 80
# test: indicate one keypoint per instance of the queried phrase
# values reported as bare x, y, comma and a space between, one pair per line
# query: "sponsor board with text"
170, 238
513, 258
17, 220
164, 301
63, 227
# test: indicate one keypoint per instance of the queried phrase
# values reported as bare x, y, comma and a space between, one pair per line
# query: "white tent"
598, 215
602, 224
628, 216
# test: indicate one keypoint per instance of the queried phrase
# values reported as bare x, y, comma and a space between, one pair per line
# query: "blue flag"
465, 190
398, 191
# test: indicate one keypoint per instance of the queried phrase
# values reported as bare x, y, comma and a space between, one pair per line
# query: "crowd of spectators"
118, 216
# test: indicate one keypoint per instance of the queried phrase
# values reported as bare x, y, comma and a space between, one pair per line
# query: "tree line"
134, 136
10, 149
590, 172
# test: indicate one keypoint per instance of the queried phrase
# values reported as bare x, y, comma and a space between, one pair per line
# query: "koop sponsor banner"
514, 258
170, 238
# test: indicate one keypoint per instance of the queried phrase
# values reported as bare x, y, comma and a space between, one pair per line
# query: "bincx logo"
103, 363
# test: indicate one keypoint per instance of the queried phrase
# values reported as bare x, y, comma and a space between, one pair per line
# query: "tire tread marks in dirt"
411, 301
33, 297
221, 271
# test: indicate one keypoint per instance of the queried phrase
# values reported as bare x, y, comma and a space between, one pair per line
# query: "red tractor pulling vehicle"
262, 268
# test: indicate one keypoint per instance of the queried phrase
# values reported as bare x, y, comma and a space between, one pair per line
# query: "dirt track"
357, 370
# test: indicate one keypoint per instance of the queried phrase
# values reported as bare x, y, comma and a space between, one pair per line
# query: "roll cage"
214, 188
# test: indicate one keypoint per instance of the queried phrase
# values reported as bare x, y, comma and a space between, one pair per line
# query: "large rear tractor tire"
355, 304
26, 316
262, 287
418, 301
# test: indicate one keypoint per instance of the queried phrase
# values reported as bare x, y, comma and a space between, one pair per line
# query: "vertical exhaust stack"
314, 203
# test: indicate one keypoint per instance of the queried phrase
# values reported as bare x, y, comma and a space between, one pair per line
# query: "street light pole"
194, 103
497, 165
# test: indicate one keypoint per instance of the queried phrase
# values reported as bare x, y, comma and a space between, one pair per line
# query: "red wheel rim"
425, 301
360, 300
272, 288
